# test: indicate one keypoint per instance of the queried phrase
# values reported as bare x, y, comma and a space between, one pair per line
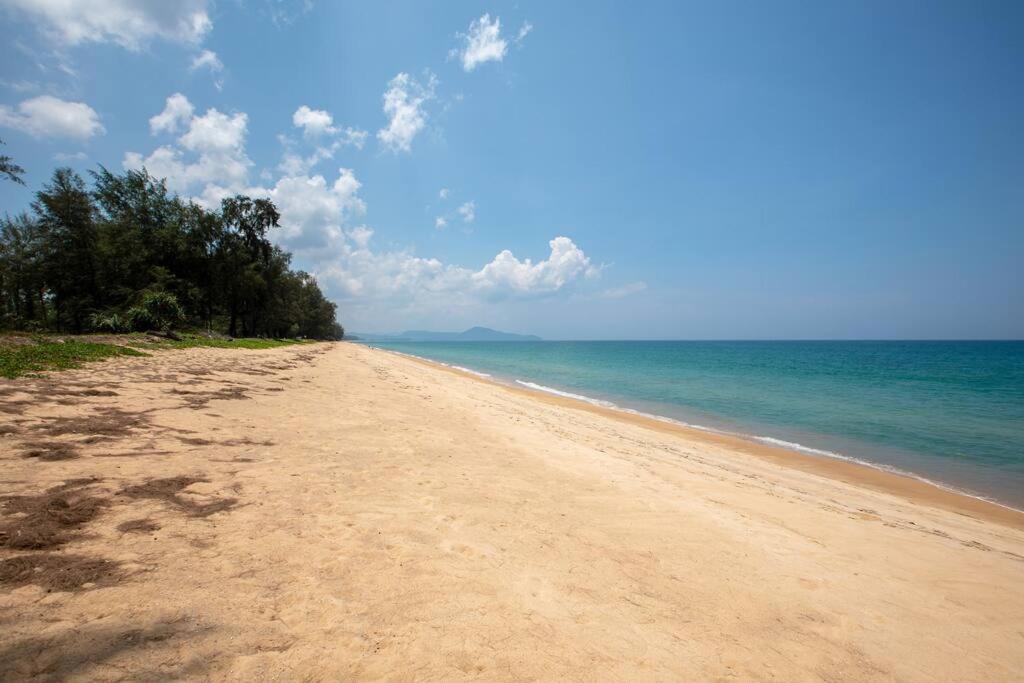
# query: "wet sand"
338, 512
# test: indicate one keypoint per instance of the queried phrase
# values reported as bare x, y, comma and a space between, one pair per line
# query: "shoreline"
907, 485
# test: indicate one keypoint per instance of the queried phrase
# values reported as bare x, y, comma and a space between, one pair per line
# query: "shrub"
158, 311
108, 322
139, 319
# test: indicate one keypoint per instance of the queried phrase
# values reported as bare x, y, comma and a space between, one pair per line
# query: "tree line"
126, 254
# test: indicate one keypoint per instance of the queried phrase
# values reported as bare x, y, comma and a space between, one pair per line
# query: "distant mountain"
472, 334
487, 334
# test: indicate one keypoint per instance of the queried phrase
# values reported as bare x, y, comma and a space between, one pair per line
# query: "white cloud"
313, 122
403, 103
177, 112
296, 164
315, 216
46, 116
208, 59
208, 162
220, 174
317, 124
313, 212
565, 263
215, 132
403, 278
483, 43
524, 31
353, 136
360, 236
128, 23
321, 225
468, 212
346, 187
215, 142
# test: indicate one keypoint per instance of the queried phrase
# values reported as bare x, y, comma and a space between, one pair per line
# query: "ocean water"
951, 412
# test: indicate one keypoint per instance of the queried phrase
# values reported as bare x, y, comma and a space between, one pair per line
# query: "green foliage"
220, 343
108, 322
158, 311
22, 359
139, 319
10, 170
125, 254
69, 243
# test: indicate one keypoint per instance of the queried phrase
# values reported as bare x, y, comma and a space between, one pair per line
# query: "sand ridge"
338, 512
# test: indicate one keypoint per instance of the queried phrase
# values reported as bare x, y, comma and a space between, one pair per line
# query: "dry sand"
336, 512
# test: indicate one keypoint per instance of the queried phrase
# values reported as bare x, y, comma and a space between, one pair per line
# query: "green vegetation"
125, 255
214, 342
10, 170
158, 311
23, 359
25, 356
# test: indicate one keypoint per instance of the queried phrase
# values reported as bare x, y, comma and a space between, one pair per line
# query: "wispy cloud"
624, 290
468, 212
22, 86
524, 31
70, 156
129, 23
208, 59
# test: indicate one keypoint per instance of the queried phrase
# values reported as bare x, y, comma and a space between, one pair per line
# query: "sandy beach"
336, 512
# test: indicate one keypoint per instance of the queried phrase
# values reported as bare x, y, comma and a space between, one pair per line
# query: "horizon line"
698, 339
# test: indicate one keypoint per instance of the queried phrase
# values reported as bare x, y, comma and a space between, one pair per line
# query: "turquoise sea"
951, 412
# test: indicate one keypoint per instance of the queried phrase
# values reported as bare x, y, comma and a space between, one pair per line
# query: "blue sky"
597, 170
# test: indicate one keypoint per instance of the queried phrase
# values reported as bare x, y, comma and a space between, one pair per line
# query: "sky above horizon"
725, 170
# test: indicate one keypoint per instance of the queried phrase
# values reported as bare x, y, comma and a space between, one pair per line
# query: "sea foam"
567, 394
472, 372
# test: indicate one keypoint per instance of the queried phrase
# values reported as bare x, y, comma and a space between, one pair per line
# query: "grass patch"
25, 359
190, 341
22, 355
